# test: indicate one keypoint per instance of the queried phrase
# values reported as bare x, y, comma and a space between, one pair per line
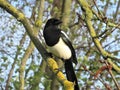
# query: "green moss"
38, 23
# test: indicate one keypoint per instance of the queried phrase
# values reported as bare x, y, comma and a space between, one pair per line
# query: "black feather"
71, 74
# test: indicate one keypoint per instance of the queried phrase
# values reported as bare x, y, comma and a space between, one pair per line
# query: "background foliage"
93, 71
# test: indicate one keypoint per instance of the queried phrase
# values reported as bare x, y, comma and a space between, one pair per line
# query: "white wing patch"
65, 35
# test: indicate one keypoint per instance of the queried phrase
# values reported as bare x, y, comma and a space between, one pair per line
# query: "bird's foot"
58, 70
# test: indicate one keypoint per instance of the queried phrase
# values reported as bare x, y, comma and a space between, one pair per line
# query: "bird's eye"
53, 21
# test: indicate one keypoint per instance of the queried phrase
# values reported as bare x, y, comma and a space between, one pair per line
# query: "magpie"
59, 45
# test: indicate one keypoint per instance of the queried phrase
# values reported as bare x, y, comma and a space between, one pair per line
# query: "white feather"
65, 34
61, 50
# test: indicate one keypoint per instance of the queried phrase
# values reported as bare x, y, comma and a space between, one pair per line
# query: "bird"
60, 46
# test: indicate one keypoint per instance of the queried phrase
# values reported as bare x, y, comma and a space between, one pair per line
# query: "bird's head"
53, 21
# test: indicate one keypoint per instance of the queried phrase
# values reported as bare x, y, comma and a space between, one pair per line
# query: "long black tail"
70, 73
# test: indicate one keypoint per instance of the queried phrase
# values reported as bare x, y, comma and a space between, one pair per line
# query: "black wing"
67, 41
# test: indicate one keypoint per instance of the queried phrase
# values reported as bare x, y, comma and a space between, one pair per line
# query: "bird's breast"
61, 50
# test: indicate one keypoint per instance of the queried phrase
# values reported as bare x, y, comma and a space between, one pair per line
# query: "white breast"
61, 50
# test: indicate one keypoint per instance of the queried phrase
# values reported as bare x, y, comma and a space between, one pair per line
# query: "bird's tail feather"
70, 73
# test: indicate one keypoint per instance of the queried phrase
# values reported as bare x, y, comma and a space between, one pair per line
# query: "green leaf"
50, 1
1, 79
4, 58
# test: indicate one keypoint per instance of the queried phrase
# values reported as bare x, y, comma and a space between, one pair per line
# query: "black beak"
58, 22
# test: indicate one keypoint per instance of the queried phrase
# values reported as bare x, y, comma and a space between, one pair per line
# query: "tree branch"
117, 10
13, 65
88, 17
31, 47
24, 59
50, 62
66, 13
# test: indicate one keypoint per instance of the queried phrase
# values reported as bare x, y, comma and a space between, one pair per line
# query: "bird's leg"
60, 63
58, 70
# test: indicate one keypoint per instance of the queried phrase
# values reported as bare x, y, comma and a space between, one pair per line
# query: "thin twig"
110, 72
98, 9
100, 79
